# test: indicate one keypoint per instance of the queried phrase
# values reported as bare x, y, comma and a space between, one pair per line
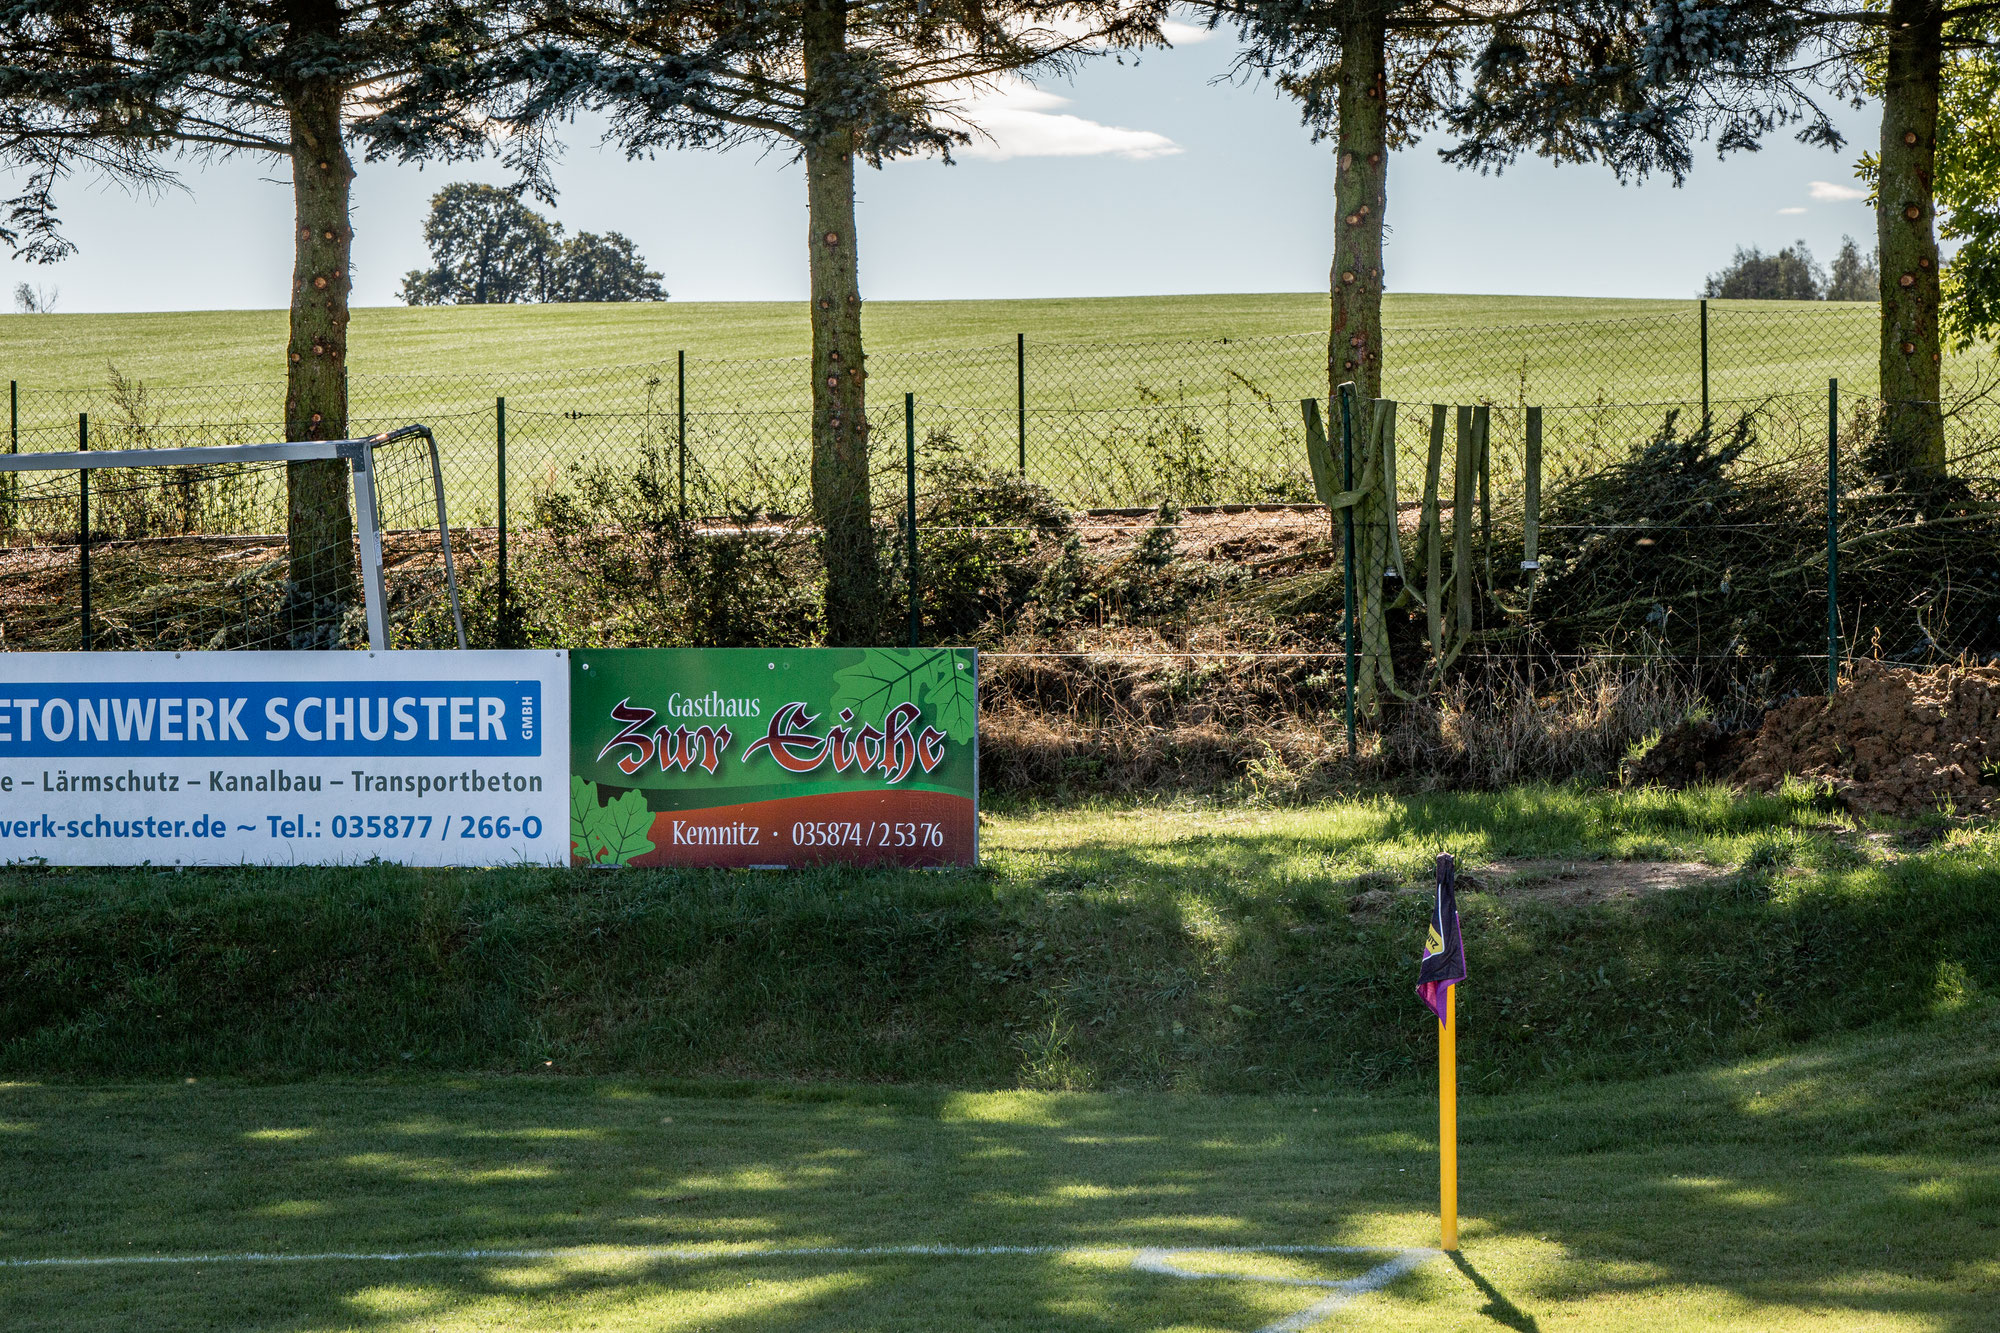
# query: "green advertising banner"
774, 757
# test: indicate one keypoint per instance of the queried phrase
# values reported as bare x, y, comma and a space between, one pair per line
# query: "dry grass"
1271, 726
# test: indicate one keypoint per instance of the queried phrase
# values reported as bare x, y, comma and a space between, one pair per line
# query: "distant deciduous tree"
1792, 274
606, 268
488, 248
1853, 276
33, 299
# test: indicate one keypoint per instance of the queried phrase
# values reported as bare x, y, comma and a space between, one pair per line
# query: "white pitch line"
1347, 1292
1344, 1291
690, 1253
1148, 1259
1161, 1262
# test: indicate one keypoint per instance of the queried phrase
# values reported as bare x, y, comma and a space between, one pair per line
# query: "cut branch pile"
1702, 545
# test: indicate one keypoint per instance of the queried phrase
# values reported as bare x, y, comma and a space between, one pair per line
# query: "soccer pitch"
1852, 1185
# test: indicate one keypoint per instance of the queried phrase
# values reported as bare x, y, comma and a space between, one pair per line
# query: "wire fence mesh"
1197, 445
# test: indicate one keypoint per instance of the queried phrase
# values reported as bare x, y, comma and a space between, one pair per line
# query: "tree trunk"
1354, 344
1361, 182
840, 421
320, 528
1911, 450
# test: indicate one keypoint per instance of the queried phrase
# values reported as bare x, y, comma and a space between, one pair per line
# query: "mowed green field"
873, 1177
1126, 400
962, 353
229, 346
1854, 1185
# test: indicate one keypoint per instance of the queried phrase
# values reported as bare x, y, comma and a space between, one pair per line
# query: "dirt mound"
1892, 741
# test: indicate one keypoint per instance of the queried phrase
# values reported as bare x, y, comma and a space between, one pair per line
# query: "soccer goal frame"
360, 457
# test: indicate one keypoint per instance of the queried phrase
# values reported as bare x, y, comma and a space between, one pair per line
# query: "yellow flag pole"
1448, 1121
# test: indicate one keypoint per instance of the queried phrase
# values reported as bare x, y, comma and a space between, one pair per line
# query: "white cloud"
1021, 120
1827, 192
1178, 32
1787, 212
1185, 34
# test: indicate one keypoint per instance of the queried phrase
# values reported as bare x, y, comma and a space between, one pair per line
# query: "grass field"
229, 346
1128, 401
1850, 1185
651, 1093
1195, 948
1082, 353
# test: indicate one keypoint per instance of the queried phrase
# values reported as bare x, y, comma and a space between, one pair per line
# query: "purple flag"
1443, 962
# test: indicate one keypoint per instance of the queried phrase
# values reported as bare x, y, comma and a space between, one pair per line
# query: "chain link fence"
1189, 450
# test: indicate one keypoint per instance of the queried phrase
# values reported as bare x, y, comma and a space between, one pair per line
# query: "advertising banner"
426, 758
774, 757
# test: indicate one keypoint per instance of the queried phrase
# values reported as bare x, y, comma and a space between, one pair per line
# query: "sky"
1160, 176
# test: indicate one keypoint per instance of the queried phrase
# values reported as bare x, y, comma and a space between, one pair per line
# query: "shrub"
622, 565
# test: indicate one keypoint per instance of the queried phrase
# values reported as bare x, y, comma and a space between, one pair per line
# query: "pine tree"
122, 88
832, 82
1636, 84
1371, 75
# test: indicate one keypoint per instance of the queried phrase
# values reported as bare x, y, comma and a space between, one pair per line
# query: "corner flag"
1438, 973
1443, 962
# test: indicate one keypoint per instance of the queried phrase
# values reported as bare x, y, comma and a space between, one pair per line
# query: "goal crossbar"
360, 456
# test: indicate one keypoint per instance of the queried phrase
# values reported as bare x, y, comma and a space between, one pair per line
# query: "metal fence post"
83, 522
1021, 396
910, 479
501, 630
1832, 535
681, 428
1704, 363
1531, 502
1347, 558
13, 447
1482, 430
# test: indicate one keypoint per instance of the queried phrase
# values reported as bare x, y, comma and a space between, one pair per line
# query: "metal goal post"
369, 499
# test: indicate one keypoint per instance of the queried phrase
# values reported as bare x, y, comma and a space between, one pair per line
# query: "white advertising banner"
425, 758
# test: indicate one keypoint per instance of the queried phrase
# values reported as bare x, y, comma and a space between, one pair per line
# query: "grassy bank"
1165, 948
1854, 1185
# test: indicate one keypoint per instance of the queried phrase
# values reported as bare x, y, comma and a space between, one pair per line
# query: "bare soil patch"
1258, 535
1241, 534
1585, 881
1569, 883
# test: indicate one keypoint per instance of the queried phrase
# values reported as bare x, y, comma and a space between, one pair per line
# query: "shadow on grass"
1497, 1308
1247, 956
1861, 1179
